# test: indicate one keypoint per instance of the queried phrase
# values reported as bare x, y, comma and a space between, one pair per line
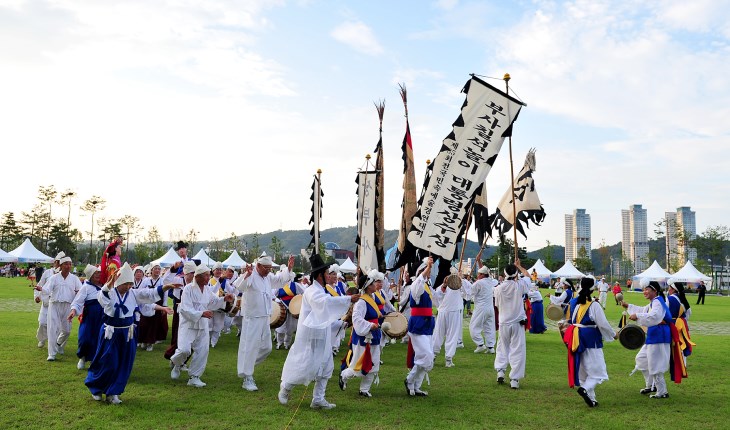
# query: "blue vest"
421, 324
568, 299
674, 306
370, 315
590, 336
660, 333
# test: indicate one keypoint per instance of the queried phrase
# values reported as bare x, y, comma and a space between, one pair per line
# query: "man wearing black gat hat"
310, 357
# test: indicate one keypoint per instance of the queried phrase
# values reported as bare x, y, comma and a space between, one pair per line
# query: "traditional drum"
236, 308
619, 297
563, 326
398, 325
554, 312
295, 306
453, 281
631, 336
278, 315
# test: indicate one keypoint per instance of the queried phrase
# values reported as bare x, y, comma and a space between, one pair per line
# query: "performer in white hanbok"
231, 275
419, 358
114, 358
367, 337
286, 293
335, 289
584, 338
310, 357
404, 300
86, 304
511, 348
653, 359
196, 308
43, 298
481, 326
153, 328
61, 289
448, 321
219, 286
602, 287
255, 344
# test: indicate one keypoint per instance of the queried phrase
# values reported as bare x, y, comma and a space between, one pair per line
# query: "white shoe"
175, 372
96, 397
212, 345
41, 344
460, 345
141, 345
114, 400
195, 381
491, 351
283, 396
321, 404
480, 348
249, 384
278, 346
185, 368
60, 349
286, 346
500, 376
392, 341
514, 384
51, 358
150, 347
449, 362
81, 364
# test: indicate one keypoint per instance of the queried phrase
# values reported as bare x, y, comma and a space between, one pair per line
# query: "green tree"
11, 233
582, 262
47, 196
154, 241
191, 238
712, 245
276, 247
93, 205
130, 226
548, 256
62, 239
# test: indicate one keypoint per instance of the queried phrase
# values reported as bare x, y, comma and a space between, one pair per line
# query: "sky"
215, 115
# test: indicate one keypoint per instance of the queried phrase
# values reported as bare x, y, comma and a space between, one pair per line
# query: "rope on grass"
304, 393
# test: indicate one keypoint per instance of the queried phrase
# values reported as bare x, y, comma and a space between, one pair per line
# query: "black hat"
180, 244
318, 265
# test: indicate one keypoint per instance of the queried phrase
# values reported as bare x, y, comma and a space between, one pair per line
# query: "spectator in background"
701, 290
616, 290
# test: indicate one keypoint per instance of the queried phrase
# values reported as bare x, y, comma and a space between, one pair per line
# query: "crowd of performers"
120, 308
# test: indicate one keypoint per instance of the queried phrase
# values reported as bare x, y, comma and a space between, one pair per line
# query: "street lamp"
712, 271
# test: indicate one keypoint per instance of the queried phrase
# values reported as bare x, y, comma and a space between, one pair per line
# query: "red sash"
421, 312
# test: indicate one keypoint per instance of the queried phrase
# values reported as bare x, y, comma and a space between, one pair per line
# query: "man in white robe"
255, 344
310, 357
196, 309
481, 326
43, 298
511, 347
602, 287
448, 322
61, 288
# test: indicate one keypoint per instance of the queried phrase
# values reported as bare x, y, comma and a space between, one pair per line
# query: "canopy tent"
689, 273
7, 258
653, 273
168, 259
348, 266
543, 273
27, 253
204, 258
568, 271
234, 260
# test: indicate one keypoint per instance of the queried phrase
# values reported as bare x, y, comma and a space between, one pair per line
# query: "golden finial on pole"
367, 156
506, 77
428, 162
319, 171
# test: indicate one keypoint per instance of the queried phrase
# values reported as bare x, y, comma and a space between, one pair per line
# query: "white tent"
7, 258
27, 253
543, 273
234, 260
168, 259
653, 273
204, 258
348, 266
689, 273
567, 271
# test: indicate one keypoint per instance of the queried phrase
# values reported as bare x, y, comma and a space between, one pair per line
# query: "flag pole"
319, 210
512, 172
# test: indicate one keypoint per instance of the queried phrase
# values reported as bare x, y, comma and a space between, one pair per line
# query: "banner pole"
512, 173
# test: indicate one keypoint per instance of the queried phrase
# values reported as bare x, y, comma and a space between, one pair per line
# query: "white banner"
465, 159
367, 256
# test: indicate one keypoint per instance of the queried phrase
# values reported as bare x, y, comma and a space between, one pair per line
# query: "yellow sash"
287, 290
331, 290
427, 289
582, 309
380, 296
683, 334
369, 300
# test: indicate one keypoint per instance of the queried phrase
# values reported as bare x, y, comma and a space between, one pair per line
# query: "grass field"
38, 394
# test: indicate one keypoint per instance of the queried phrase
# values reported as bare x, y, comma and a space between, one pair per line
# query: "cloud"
358, 36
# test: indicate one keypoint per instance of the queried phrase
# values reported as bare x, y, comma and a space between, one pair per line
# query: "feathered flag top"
409, 204
460, 168
316, 199
380, 195
527, 203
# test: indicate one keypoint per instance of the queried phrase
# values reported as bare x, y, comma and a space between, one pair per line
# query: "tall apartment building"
634, 237
681, 221
577, 234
